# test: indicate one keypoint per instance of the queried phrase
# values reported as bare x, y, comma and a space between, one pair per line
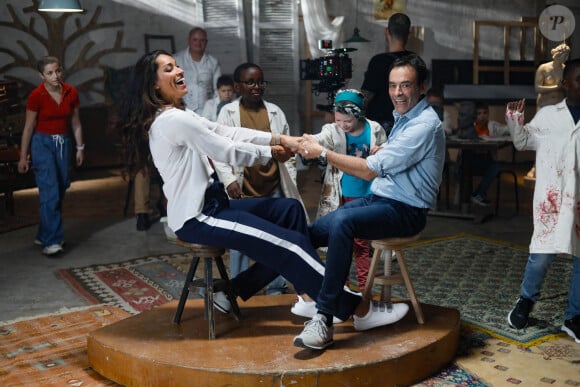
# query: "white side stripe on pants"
257, 233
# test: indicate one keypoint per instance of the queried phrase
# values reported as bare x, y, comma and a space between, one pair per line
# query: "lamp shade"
60, 6
356, 38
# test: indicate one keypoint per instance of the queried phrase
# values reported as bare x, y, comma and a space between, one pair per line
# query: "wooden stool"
209, 255
389, 277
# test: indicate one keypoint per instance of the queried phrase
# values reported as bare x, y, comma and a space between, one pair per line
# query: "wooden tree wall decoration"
56, 43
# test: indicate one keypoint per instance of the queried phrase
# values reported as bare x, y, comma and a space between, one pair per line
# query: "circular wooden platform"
148, 349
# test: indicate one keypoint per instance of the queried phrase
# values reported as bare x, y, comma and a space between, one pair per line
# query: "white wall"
20, 49
443, 30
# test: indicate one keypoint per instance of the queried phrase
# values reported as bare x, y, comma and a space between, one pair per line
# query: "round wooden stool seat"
209, 254
202, 251
394, 243
390, 278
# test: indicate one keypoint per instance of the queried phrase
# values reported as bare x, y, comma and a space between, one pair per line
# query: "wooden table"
466, 184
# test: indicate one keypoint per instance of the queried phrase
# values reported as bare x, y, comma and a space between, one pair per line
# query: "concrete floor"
96, 232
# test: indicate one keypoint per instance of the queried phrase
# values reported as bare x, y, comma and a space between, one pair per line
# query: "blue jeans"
370, 217
50, 162
535, 273
240, 262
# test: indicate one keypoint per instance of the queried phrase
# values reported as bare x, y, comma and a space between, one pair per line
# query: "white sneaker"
169, 234
221, 302
52, 249
316, 334
38, 242
308, 309
380, 314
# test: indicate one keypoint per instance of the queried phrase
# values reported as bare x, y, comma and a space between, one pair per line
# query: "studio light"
60, 6
356, 38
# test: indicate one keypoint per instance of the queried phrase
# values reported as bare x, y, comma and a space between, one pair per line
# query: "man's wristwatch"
322, 156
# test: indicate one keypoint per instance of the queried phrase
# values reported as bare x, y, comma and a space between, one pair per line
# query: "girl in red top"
52, 110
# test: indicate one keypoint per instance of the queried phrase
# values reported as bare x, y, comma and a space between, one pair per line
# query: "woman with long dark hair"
182, 144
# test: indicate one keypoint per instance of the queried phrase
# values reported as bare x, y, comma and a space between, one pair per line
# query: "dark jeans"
370, 217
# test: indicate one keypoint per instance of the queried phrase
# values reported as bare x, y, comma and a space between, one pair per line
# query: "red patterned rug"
135, 285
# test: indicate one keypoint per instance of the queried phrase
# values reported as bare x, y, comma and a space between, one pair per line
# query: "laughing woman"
182, 144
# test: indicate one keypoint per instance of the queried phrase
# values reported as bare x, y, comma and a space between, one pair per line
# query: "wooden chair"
209, 254
390, 278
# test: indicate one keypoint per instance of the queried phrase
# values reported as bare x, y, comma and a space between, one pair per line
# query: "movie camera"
331, 70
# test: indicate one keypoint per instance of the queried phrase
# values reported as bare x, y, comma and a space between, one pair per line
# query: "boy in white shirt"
224, 95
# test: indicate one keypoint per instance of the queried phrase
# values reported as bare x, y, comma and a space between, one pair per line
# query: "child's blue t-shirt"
358, 146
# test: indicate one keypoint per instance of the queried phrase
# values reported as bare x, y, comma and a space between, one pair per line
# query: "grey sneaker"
316, 334
518, 316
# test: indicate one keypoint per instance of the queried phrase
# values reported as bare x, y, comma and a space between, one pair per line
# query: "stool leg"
224, 274
185, 291
368, 292
208, 304
409, 285
388, 271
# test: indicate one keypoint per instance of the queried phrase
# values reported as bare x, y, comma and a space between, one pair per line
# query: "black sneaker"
518, 317
572, 327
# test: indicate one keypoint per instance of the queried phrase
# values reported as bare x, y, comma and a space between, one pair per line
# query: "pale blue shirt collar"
409, 115
410, 165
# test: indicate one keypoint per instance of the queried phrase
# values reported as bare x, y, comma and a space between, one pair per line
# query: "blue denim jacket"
410, 164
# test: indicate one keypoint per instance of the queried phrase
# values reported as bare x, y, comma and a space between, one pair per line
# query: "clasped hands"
306, 146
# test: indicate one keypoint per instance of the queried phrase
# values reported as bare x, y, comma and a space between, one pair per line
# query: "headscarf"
351, 102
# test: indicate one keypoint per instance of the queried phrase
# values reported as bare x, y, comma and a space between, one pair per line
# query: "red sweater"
53, 118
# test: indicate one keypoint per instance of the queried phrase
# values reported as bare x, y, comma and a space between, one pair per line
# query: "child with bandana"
352, 134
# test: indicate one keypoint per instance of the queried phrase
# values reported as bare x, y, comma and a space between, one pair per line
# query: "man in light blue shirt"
407, 172
409, 168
